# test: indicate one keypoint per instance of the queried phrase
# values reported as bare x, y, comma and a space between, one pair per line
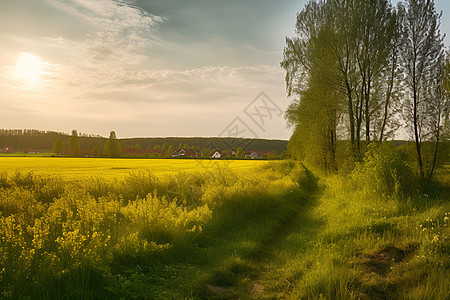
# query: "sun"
28, 68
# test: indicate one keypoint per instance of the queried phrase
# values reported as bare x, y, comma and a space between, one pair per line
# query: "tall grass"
104, 237
277, 231
377, 233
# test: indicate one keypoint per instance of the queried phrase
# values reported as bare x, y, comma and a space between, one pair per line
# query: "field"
138, 229
75, 168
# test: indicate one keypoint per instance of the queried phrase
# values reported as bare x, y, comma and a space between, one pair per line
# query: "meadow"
73, 168
248, 230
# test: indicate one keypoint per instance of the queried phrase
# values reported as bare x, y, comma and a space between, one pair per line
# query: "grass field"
76, 168
108, 229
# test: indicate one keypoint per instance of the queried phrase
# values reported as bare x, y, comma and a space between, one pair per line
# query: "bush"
384, 170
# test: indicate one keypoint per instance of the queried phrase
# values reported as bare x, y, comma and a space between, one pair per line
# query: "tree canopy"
355, 68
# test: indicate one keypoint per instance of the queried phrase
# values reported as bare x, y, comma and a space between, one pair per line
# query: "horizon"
146, 68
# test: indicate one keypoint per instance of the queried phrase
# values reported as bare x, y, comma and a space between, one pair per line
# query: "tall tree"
206, 153
170, 150
164, 148
423, 61
385, 123
73, 144
240, 152
58, 147
314, 113
112, 147
96, 151
374, 32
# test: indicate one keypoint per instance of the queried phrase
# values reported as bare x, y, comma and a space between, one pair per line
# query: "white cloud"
106, 76
118, 37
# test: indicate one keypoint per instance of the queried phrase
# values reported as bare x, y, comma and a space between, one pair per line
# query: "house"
217, 154
184, 153
31, 151
251, 154
86, 153
7, 149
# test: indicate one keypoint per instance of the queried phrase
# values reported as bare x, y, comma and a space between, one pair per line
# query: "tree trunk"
388, 99
351, 117
436, 146
367, 112
416, 129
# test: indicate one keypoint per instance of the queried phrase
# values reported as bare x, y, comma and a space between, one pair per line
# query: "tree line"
19, 139
360, 71
113, 147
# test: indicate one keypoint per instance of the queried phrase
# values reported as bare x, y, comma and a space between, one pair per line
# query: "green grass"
78, 168
353, 244
247, 230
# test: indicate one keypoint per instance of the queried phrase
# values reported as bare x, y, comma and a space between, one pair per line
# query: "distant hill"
21, 139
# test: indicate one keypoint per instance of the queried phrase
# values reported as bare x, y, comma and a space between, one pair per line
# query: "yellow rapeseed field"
76, 168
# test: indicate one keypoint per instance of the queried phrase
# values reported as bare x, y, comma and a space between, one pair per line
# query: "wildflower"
435, 239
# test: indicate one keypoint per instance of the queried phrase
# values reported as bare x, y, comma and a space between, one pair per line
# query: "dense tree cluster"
357, 71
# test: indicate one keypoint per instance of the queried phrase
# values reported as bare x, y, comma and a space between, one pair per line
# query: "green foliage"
164, 147
206, 153
44, 140
384, 170
240, 152
112, 146
58, 147
425, 106
272, 154
157, 147
170, 150
354, 243
96, 151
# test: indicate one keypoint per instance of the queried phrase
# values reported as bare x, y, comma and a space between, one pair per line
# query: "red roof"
7, 149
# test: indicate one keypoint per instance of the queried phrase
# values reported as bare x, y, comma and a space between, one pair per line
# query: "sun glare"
28, 68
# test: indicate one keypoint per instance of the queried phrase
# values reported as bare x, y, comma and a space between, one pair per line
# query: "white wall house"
217, 154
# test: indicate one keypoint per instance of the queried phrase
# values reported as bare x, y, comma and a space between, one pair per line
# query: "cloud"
119, 31
139, 66
207, 85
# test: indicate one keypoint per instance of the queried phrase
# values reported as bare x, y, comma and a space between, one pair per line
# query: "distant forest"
21, 139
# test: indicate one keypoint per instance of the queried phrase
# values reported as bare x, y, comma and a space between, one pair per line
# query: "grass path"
354, 246
250, 269
323, 245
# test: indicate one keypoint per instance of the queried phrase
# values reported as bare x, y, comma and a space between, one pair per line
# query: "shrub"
383, 170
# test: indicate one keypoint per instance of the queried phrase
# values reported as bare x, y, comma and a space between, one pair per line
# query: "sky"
148, 68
